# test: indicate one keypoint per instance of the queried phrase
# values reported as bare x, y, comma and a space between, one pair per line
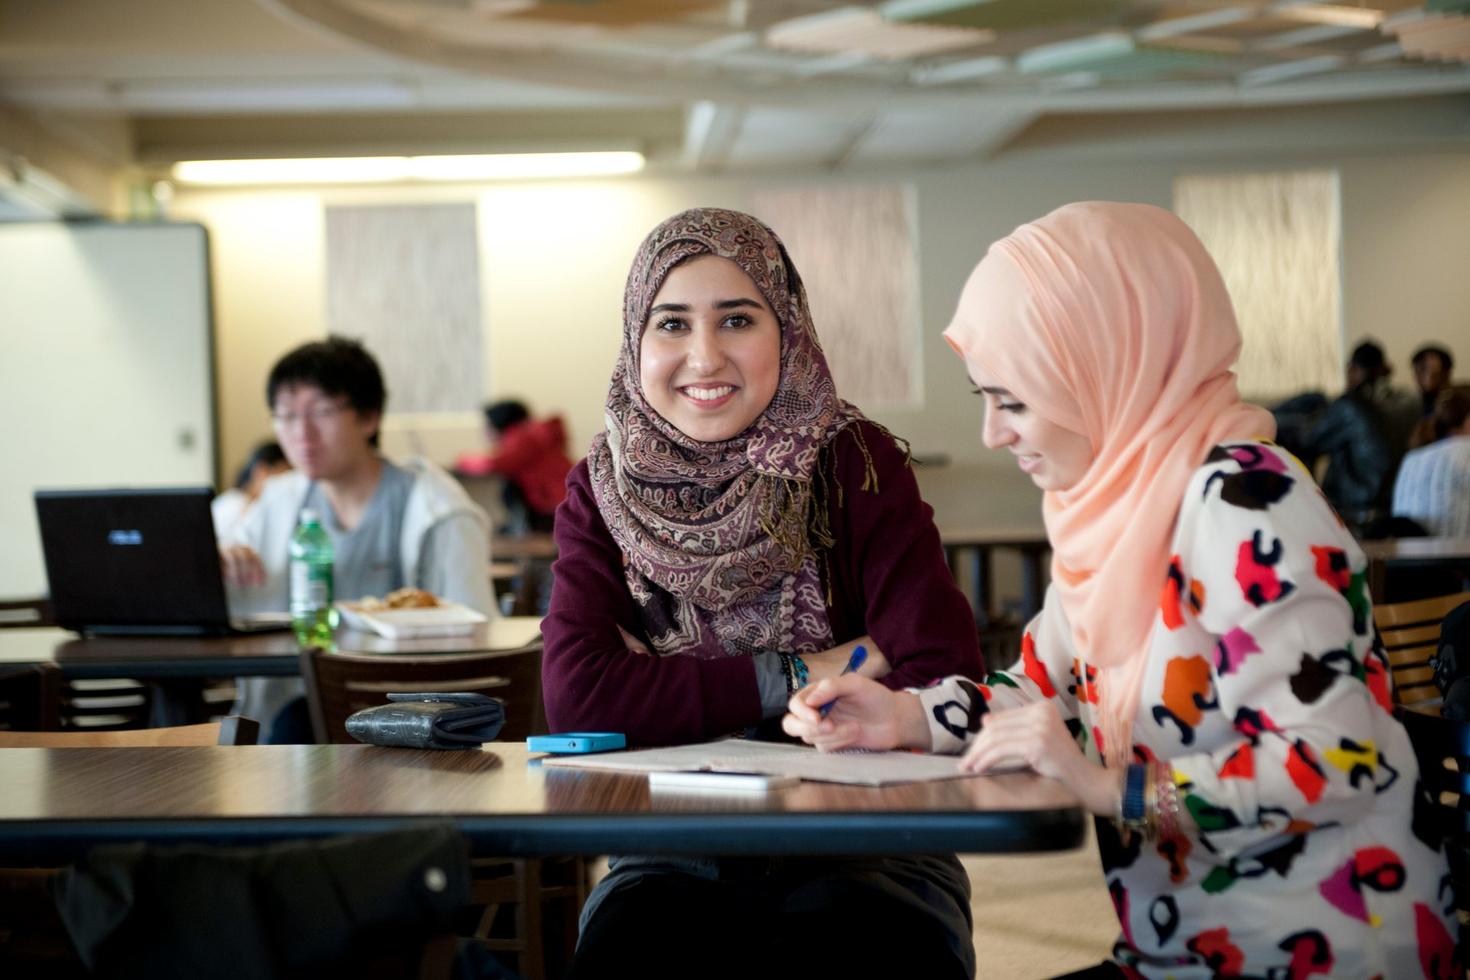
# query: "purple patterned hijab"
717, 536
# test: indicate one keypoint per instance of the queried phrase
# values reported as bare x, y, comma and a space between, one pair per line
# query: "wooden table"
1417, 553
271, 654
59, 802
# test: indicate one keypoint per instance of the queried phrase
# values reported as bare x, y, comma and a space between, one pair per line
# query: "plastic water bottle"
313, 616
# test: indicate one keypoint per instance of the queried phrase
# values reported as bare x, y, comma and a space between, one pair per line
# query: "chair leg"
437, 962
529, 919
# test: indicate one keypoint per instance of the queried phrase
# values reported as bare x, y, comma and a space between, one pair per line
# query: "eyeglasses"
318, 415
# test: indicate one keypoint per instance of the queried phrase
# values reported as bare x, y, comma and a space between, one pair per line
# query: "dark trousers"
683, 925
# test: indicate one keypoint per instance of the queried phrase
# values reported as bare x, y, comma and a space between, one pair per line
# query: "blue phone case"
576, 742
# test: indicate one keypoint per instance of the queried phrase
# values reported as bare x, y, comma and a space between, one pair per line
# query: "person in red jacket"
531, 456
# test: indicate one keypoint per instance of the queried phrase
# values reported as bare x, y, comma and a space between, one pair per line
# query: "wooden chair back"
22, 613
338, 684
234, 730
528, 906
1410, 635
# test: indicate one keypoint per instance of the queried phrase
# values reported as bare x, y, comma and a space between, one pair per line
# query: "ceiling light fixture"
1076, 53
919, 9
383, 170
1341, 15
959, 71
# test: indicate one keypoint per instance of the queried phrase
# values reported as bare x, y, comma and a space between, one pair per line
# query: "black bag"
300, 909
1451, 663
430, 721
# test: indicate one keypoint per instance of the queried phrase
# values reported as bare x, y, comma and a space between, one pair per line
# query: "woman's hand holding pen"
864, 715
1037, 737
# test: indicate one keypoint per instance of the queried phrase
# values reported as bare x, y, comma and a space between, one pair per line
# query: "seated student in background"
1364, 434
1433, 368
734, 533
531, 456
230, 507
1204, 668
392, 524
1433, 485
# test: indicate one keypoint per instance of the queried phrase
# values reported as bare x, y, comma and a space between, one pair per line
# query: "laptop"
138, 562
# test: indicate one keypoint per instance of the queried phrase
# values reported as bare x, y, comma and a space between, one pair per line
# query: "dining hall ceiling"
719, 85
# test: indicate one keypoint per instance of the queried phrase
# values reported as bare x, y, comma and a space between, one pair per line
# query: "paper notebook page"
803, 762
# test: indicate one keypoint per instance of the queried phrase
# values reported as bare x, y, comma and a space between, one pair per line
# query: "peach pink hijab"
1111, 320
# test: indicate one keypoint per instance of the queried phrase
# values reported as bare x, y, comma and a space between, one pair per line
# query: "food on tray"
406, 598
410, 598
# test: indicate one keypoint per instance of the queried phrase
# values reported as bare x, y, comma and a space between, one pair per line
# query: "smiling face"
1056, 458
709, 360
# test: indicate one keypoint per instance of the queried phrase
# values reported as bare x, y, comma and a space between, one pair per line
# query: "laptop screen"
132, 558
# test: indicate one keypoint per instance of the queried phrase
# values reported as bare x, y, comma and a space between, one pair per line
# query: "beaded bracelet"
798, 665
1166, 793
795, 670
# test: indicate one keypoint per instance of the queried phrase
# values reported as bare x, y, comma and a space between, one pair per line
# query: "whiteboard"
106, 370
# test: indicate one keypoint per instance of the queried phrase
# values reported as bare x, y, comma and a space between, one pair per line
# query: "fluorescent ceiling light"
1363, 18
379, 170
1175, 26
1305, 36
1076, 53
959, 71
1289, 69
509, 166
916, 9
848, 29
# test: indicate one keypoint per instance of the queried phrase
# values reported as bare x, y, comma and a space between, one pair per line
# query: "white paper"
779, 759
718, 782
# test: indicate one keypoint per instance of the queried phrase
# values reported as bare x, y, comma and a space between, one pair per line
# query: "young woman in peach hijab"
1204, 671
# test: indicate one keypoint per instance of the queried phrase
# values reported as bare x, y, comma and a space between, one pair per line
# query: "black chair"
365, 906
30, 698
1442, 747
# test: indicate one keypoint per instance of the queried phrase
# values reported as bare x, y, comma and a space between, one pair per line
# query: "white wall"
554, 257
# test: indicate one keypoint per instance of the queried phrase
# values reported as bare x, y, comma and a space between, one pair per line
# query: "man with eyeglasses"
392, 524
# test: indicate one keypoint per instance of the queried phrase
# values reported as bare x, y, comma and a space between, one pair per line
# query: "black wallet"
429, 721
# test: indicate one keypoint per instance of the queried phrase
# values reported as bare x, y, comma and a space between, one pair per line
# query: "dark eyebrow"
724, 304
999, 392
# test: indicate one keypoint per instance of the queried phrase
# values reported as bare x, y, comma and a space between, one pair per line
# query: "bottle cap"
308, 516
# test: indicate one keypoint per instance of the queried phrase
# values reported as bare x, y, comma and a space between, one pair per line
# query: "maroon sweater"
889, 580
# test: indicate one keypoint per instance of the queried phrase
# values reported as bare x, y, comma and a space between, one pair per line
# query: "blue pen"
859, 654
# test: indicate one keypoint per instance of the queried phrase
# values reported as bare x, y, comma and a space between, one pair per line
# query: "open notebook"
777, 759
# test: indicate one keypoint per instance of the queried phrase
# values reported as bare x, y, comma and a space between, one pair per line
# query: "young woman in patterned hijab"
732, 535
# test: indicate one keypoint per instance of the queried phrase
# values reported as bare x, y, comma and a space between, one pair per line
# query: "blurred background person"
1364, 434
231, 506
1433, 485
530, 456
1433, 366
392, 523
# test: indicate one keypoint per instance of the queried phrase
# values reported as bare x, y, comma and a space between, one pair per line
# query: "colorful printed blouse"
1268, 696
